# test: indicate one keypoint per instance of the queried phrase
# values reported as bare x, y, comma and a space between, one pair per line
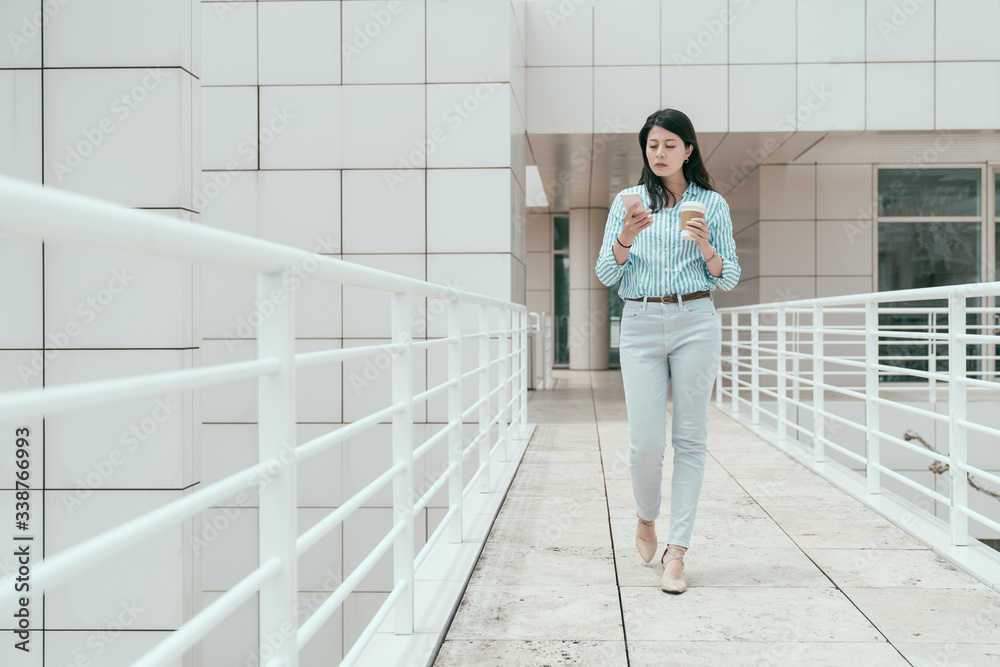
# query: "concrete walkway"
784, 568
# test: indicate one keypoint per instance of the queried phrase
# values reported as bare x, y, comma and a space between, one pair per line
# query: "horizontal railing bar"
366, 637
920, 294
434, 439
309, 538
57, 568
431, 342
910, 483
323, 613
979, 427
899, 442
317, 445
472, 482
419, 398
346, 354
61, 398
187, 635
471, 446
843, 450
979, 472
982, 384
435, 536
973, 514
475, 406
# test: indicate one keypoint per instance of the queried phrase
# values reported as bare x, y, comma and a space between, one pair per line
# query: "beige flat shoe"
671, 584
646, 548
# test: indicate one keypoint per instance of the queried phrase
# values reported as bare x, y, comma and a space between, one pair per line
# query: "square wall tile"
318, 388
143, 33
624, 97
295, 44
105, 298
301, 209
842, 286
21, 124
384, 127
560, 33
695, 33
831, 97
89, 602
843, 191
226, 450
65, 647
897, 35
748, 252
383, 42
785, 248
320, 482
20, 22
452, 194
319, 308
843, 248
376, 304
900, 96
627, 33
762, 32
966, 29
235, 402
142, 443
229, 44
227, 541
363, 530
320, 568
787, 192
786, 288
469, 125
762, 98
560, 99
486, 54
21, 370
368, 389
539, 232
120, 134
831, 32
387, 207
967, 96
234, 639
301, 127
704, 90
482, 273
227, 299
228, 201
229, 126
21, 287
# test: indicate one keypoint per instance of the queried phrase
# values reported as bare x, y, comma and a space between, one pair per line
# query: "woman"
669, 330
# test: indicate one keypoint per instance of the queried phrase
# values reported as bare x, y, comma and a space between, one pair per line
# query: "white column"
589, 329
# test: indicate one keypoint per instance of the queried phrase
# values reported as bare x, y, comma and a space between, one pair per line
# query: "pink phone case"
630, 200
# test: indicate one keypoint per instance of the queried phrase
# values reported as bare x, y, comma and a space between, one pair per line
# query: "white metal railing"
785, 361
541, 327
32, 211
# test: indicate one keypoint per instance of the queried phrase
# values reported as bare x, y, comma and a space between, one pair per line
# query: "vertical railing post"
523, 386
549, 358
819, 379
503, 376
720, 375
871, 395
782, 368
484, 393
755, 367
402, 450
277, 519
932, 356
797, 349
957, 413
734, 357
455, 440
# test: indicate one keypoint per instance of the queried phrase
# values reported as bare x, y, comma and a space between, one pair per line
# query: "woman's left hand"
699, 230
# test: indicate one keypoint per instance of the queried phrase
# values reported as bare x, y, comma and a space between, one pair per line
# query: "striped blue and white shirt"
660, 262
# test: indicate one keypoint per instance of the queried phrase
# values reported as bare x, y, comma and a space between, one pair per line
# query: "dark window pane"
925, 192
912, 255
561, 236
561, 318
996, 199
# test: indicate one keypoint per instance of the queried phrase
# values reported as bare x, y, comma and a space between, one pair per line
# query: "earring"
685, 160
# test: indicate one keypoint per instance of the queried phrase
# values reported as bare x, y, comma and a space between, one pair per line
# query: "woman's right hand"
635, 220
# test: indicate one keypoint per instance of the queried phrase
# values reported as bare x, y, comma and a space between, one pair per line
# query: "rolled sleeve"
609, 271
721, 236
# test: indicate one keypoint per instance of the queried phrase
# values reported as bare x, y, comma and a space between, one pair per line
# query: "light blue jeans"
663, 343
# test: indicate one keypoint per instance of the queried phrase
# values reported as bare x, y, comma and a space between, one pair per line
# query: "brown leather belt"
672, 298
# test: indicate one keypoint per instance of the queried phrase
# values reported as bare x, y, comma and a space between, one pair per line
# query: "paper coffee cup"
688, 210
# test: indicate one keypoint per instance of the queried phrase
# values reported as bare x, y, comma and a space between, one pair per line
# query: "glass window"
561, 235
615, 316
560, 321
925, 254
929, 192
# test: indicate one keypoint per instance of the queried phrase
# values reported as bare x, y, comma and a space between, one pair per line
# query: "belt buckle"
664, 299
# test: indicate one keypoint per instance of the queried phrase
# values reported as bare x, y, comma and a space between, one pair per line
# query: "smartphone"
630, 200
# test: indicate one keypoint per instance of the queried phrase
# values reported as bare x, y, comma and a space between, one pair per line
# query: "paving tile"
882, 568
744, 613
762, 653
948, 654
556, 521
538, 612
504, 564
510, 653
940, 616
848, 533
566, 479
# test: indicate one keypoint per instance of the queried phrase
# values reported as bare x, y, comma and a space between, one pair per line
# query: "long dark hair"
694, 169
